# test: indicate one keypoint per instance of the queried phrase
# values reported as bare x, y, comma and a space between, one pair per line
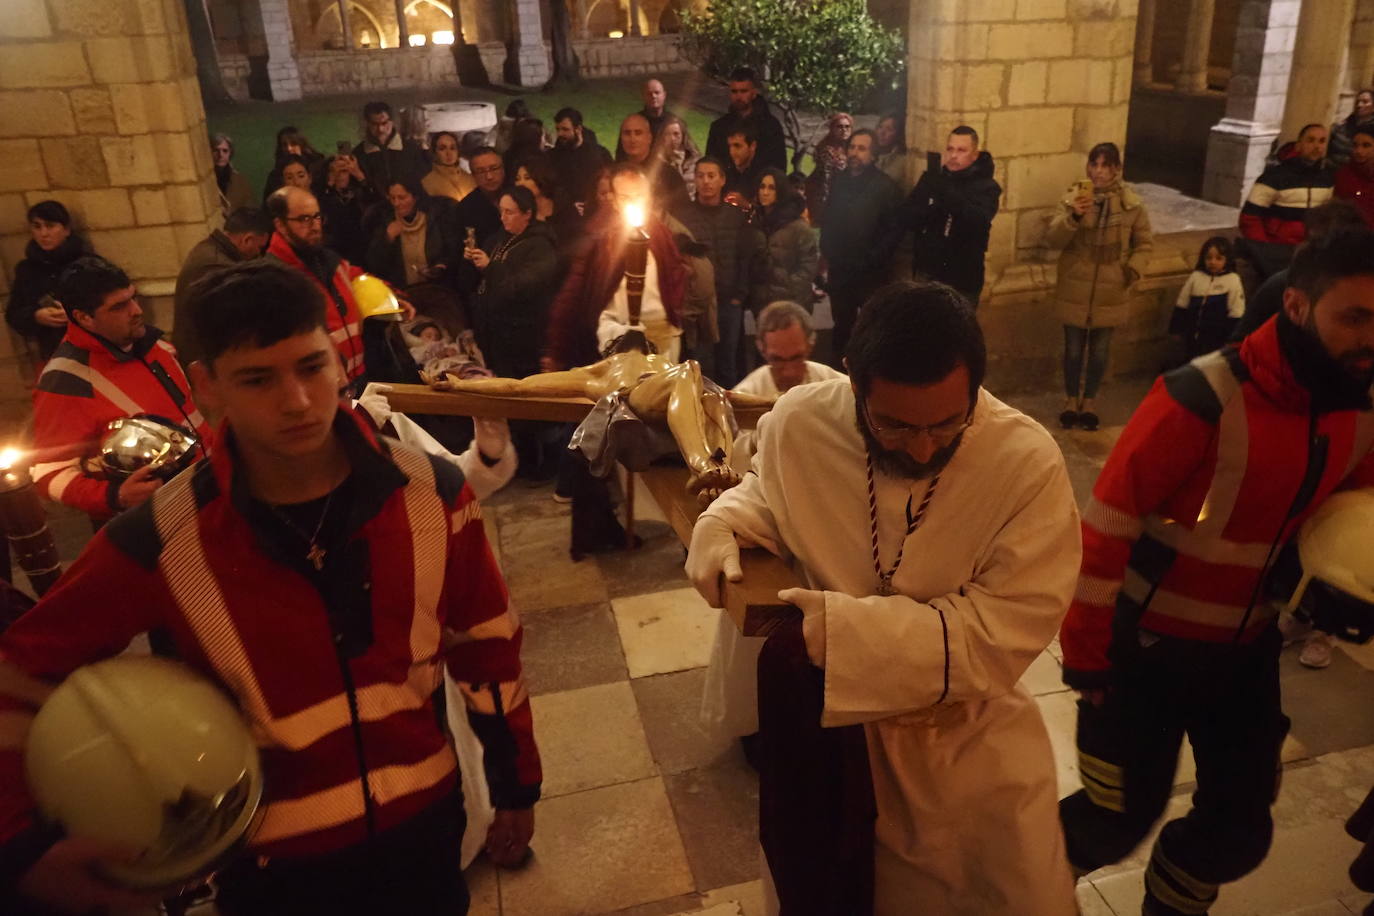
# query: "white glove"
491, 436
714, 552
812, 605
373, 400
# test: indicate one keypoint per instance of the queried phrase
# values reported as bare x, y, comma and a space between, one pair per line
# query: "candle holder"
25, 523
636, 261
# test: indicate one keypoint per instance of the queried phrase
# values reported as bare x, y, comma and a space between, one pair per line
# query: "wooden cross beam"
752, 603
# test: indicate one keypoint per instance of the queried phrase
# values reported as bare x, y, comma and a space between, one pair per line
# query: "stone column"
1255, 99
1145, 43
527, 60
1197, 44
634, 31
345, 27
283, 75
579, 15
402, 30
102, 111
1320, 52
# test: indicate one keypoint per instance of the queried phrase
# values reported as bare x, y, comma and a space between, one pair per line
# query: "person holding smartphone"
32, 310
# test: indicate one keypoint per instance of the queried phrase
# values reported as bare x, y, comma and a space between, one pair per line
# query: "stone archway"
322, 33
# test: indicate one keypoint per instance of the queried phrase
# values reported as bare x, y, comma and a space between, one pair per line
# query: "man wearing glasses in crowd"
939, 553
298, 242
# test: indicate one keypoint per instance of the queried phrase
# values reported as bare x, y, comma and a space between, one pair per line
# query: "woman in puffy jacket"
1105, 232
791, 254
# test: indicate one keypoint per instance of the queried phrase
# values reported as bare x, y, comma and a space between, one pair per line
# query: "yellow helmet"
146, 754
1333, 547
375, 299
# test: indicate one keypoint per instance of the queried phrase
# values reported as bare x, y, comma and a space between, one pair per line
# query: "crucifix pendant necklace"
912, 523
316, 553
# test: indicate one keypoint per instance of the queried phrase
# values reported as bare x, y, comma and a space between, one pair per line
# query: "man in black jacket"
743, 170
576, 157
731, 245
951, 210
857, 237
384, 155
748, 108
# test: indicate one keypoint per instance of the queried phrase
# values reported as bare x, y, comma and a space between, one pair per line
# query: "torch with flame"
636, 259
25, 523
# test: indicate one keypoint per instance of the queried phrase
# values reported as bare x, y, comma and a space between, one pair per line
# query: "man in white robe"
963, 774
729, 702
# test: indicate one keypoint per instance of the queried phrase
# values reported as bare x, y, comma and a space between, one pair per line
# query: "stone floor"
645, 814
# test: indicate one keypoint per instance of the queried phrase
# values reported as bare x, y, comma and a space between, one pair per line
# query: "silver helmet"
146, 440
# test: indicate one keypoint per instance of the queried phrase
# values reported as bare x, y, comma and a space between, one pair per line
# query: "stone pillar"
283, 76
634, 31
100, 109
402, 30
527, 60
1255, 99
346, 27
1145, 43
1320, 52
579, 16
1359, 71
1197, 44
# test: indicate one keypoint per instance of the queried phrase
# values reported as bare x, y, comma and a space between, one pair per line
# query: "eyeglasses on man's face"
897, 435
305, 219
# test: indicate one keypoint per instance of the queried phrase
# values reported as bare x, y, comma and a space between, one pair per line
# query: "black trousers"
848, 291
415, 868
1225, 698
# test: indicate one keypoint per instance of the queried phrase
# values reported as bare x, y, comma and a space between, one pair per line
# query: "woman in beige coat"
1105, 232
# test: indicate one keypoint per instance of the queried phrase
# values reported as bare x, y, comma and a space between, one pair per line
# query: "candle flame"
634, 215
9, 458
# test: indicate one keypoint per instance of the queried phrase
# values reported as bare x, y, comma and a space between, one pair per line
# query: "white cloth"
653, 316
965, 785
730, 697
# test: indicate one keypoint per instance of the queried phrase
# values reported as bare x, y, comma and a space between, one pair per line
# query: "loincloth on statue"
613, 433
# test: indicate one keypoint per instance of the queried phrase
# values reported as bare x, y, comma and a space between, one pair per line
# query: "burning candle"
636, 260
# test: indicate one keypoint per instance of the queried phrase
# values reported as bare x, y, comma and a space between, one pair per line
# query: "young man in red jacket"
321, 576
109, 365
1171, 632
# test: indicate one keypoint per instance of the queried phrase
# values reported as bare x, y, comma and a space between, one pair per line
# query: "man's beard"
896, 462
1335, 383
565, 143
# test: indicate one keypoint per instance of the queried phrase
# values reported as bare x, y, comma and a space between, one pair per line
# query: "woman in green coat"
1105, 232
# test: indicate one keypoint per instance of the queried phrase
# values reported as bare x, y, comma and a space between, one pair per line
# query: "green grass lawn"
326, 120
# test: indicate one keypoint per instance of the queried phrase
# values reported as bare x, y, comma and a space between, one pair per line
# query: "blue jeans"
1096, 343
731, 320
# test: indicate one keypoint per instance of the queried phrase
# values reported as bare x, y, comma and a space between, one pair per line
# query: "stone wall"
327, 72
100, 109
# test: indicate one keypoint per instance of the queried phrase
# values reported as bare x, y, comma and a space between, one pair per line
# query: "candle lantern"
636, 260
25, 523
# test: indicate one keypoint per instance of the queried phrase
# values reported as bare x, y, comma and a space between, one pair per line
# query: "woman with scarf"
831, 156
673, 144
791, 254
1104, 229
32, 310
448, 178
416, 245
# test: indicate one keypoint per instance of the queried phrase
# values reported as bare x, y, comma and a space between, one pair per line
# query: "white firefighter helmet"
1334, 549
147, 755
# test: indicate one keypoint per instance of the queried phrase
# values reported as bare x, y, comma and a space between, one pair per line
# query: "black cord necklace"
912, 523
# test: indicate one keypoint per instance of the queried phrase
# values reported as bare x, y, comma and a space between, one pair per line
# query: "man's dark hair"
568, 114
1332, 216
247, 219
86, 282
523, 197
482, 151
963, 130
518, 109
1321, 262
1366, 129
710, 160
1306, 127
1109, 153
864, 132
50, 211
255, 303
627, 168
373, 108
744, 75
746, 131
916, 333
